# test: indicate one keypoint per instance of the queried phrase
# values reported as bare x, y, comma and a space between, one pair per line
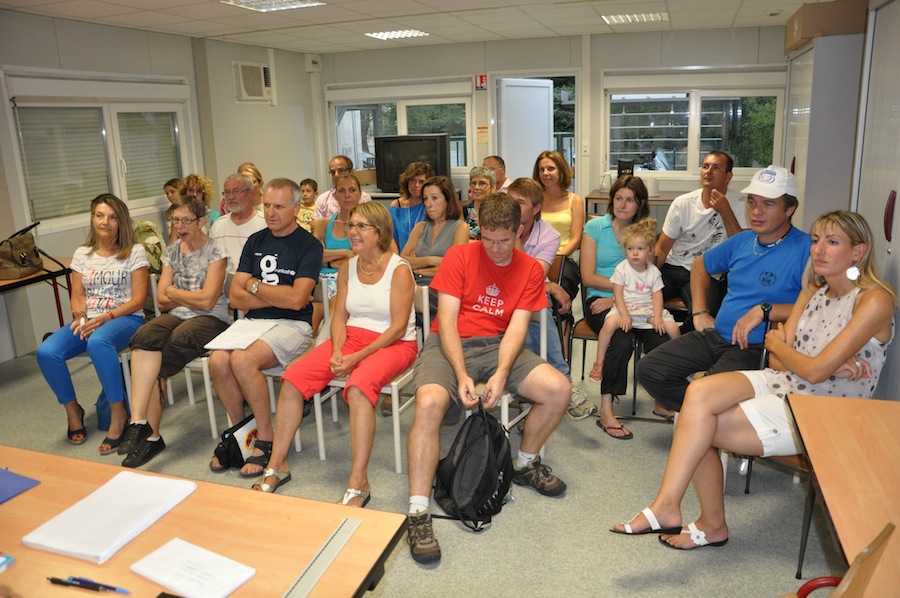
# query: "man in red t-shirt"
487, 292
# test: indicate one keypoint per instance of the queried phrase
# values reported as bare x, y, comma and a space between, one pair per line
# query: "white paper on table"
240, 335
192, 571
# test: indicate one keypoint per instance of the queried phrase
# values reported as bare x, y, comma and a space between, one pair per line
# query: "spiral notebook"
97, 526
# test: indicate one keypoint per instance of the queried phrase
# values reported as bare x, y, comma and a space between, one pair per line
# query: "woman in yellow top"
562, 209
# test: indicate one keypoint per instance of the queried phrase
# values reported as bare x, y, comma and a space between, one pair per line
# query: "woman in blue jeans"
109, 288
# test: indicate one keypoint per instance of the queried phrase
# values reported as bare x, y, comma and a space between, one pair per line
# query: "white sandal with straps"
352, 493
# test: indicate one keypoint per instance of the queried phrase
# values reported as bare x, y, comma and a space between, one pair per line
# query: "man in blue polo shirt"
764, 264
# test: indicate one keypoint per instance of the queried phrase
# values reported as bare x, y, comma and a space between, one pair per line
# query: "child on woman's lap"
637, 290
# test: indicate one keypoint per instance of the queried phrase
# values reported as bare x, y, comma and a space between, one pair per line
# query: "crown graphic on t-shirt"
492, 290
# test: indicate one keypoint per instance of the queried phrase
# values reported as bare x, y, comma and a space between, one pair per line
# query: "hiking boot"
423, 546
145, 451
539, 477
579, 405
133, 436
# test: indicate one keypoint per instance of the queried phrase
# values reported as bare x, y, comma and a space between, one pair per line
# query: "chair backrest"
154, 282
557, 267
860, 572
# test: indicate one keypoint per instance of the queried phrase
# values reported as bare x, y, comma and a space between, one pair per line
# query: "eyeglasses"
228, 192
362, 227
335, 171
184, 221
497, 242
101, 217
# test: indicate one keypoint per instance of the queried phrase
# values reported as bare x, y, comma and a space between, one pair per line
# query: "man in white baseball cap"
765, 264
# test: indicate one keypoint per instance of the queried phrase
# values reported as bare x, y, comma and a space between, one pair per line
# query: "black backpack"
473, 480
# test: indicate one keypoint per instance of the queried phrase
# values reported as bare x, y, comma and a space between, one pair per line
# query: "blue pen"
99, 585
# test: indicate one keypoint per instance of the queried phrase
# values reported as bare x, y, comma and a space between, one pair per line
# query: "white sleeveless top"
369, 305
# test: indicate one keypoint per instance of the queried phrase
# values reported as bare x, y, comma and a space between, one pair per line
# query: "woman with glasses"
190, 291
373, 338
109, 287
482, 181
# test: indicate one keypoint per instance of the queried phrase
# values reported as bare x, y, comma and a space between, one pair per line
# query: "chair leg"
190, 385
395, 421
169, 394
749, 474
637, 356
583, 356
270, 384
126, 373
724, 456
210, 399
320, 429
808, 508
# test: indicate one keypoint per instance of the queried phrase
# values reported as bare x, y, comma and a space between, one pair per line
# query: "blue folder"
13, 484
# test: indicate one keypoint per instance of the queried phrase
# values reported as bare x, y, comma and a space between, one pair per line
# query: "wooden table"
853, 446
51, 277
277, 535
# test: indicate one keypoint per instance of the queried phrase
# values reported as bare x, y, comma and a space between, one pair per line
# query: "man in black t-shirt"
278, 270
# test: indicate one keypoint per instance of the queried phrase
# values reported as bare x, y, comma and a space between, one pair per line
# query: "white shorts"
287, 339
771, 417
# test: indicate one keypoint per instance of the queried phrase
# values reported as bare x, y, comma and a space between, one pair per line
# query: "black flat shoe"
133, 436
144, 452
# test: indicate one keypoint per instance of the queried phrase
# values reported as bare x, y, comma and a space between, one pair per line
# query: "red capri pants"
312, 372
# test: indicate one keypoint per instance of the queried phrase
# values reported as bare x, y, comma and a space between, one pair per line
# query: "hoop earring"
852, 272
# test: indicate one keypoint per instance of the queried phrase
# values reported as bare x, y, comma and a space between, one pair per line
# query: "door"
524, 123
880, 165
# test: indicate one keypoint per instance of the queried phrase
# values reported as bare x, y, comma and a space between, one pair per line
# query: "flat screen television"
395, 152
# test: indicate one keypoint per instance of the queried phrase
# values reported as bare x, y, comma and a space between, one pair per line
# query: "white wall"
276, 138
547, 56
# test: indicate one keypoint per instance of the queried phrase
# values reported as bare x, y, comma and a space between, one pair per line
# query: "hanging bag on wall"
19, 256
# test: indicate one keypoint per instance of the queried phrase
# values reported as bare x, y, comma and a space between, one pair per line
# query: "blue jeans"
554, 347
102, 346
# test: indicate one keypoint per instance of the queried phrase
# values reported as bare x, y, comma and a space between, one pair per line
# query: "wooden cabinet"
820, 124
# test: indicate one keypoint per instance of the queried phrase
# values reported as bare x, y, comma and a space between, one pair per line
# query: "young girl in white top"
637, 290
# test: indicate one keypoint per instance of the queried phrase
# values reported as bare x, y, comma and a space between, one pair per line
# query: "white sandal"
655, 527
352, 493
281, 477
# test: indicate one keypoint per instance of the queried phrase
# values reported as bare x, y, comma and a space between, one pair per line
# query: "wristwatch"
254, 288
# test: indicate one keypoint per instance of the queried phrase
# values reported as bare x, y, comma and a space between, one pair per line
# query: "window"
66, 156
670, 121
364, 113
70, 148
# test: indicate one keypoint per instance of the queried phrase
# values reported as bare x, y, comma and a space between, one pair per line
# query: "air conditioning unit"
252, 82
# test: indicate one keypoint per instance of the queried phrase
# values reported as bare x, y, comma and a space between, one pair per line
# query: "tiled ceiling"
339, 25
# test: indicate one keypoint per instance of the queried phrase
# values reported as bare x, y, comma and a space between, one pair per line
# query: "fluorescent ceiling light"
650, 17
398, 34
272, 5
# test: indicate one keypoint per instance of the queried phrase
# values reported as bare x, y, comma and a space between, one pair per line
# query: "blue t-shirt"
757, 274
609, 251
280, 261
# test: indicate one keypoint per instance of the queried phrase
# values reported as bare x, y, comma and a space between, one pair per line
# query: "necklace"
367, 272
767, 246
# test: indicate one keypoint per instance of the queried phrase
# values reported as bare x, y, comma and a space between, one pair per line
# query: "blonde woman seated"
373, 339
442, 228
833, 343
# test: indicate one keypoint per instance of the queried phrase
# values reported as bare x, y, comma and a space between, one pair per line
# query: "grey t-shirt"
189, 274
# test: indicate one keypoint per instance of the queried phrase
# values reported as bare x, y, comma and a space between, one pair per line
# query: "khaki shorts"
481, 355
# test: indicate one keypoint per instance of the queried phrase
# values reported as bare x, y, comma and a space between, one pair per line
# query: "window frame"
698, 86
35, 87
404, 95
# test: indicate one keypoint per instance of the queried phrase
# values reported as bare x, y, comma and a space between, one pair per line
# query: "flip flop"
698, 537
668, 418
281, 477
655, 527
606, 429
352, 493
71, 434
